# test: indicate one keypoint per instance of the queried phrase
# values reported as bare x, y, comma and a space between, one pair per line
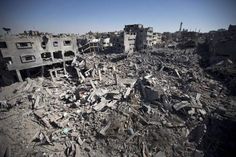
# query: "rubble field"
153, 103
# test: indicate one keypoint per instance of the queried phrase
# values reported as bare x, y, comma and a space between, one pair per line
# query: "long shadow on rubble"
219, 138
221, 68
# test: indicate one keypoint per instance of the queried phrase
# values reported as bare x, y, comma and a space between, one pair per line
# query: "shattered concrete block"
99, 106
39, 114
20, 87
192, 111
88, 72
127, 93
148, 76
115, 78
52, 76
100, 75
42, 137
128, 81
104, 129
92, 84
36, 104
181, 105
112, 104
49, 91
80, 141
117, 96
202, 111
100, 92
77, 151
177, 73
82, 76
198, 100
28, 86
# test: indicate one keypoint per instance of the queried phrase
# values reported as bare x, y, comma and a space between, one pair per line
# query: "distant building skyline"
81, 16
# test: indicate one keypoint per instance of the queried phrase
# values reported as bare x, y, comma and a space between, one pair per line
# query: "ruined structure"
159, 102
136, 37
90, 47
157, 38
222, 44
117, 40
30, 51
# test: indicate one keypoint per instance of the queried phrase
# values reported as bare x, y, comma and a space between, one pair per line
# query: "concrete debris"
104, 129
92, 84
4, 105
73, 150
176, 71
99, 106
181, 105
150, 103
36, 103
160, 154
42, 138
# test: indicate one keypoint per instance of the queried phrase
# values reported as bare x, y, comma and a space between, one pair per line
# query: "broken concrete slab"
181, 105
104, 129
99, 106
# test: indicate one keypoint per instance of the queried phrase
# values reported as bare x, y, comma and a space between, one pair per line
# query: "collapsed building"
136, 37
117, 41
101, 42
156, 102
157, 38
37, 50
222, 44
159, 103
31, 51
91, 46
181, 39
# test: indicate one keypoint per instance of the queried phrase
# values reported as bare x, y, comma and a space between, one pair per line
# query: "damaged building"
136, 37
20, 53
157, 39
222, 44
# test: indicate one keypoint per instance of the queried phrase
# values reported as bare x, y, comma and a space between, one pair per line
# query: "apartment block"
20, 52
136, 37
157, 38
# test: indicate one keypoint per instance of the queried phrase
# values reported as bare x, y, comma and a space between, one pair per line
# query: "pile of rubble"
151, 103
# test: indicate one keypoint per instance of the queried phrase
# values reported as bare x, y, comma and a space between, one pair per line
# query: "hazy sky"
80, 16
